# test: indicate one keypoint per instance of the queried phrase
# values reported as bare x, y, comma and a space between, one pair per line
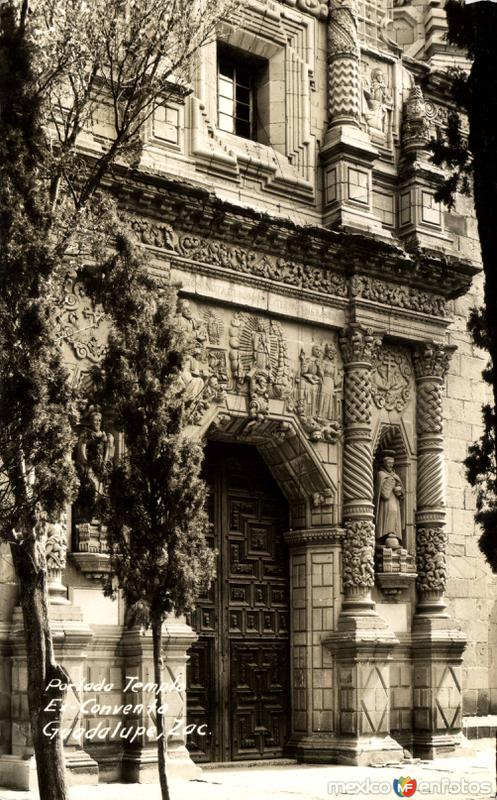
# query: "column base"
431, 746
437, 646
141, 766
313, 749
364, 752
20, 773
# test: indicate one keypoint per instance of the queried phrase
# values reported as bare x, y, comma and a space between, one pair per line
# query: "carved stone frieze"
391, 378
391, 294
316, 393
358, 555
431, 561
154, 234
262, 265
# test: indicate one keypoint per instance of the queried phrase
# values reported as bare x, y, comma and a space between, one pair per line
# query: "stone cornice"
192, 209
332, 535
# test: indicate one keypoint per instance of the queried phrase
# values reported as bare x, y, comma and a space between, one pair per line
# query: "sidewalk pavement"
471, 778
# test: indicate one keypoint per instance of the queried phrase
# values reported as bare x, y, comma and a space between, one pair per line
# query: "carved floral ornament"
315, 7
256, 264
432, 360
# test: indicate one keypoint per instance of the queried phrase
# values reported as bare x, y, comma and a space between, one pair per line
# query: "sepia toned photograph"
248, 406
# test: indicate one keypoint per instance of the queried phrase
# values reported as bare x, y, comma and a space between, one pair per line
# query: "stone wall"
472, 589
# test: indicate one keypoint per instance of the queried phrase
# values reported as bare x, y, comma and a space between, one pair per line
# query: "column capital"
358, 344
432, 359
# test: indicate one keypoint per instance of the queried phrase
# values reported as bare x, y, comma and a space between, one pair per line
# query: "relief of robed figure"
389, 494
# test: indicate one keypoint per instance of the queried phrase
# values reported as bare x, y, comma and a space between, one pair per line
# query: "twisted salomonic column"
357, 345
343, 64
431, 363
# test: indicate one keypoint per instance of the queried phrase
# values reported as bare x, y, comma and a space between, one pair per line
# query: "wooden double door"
238, 674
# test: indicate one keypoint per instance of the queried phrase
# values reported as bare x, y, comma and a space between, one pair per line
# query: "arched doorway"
238, 675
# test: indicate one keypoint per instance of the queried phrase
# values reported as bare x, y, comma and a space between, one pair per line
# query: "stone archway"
313, 545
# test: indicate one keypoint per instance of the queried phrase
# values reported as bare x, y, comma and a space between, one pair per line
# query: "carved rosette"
358, 346
431, 362
344, 103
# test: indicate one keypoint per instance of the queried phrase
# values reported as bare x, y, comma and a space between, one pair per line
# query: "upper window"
238, 76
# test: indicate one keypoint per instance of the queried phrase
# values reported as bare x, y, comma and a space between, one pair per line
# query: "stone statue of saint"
388, 494
95, 447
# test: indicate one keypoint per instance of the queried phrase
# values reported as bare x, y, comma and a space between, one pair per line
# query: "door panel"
238, 673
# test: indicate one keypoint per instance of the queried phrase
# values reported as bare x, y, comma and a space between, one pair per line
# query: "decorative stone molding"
395, 570
314, 7
398, 296
391, 378
333, 535
432, 360
263, 265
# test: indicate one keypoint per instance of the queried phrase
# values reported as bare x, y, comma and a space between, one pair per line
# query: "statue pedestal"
362, 647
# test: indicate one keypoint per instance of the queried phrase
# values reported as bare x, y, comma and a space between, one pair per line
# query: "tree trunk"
42, 668
160, 722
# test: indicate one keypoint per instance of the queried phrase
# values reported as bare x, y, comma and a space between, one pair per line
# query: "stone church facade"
290, 196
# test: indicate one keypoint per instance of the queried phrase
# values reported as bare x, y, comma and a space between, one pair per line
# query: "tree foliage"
65, 65
153, 499
472, 161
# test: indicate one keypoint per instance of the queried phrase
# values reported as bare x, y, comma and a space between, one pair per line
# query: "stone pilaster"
315, 597
363, 642
438, 644
140, 757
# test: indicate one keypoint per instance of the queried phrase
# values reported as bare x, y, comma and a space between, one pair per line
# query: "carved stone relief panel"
377, 101
272, 365
391, 378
